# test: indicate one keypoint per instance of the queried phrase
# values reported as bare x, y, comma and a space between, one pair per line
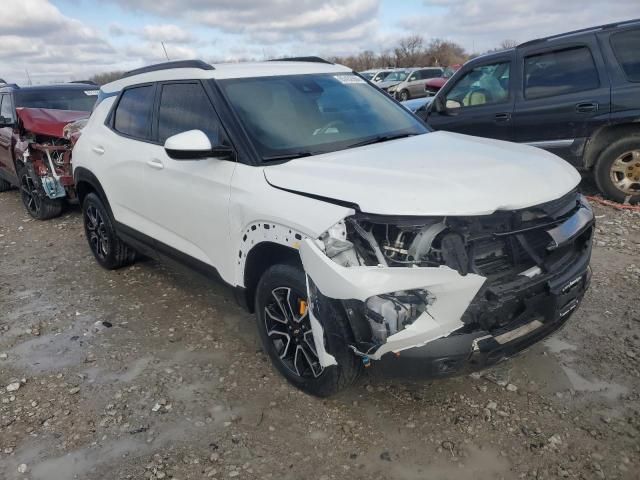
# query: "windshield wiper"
380, 139
287, 156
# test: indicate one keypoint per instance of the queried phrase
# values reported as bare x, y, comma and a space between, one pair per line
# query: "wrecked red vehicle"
433, 85
38, 127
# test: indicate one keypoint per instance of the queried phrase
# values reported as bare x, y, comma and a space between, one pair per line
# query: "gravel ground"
150, 373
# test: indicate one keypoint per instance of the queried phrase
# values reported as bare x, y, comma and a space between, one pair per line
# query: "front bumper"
467, 352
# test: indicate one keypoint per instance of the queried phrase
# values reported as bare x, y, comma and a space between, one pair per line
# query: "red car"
434, 84
38, 126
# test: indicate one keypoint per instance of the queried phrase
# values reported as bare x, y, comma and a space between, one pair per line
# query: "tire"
290, 345
404, 95
4, 185
34, 199
617, 171
107, 248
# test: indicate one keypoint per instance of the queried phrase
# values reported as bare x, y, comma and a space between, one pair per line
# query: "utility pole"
165, 50
28, 77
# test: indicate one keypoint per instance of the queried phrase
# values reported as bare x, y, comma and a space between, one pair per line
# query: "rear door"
564, 95
7, 112
479, 100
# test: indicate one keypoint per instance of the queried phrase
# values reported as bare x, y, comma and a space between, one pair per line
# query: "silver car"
413, 85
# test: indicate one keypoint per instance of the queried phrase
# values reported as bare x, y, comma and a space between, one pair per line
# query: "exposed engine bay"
503, 267
45, 147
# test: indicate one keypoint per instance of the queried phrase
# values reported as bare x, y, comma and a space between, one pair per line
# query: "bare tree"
507, 44
444, 53
409, 51
105, 77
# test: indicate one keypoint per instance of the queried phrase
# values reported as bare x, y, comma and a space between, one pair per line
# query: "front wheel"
285, 331
107, 248
617, 172
34, 199
404, 96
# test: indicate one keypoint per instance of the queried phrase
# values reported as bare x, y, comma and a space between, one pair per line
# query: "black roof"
12, 87
599, 28
167, 65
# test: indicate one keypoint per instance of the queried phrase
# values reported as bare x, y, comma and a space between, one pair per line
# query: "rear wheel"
34, 199
404, 95
617, 171
285, 331
106, 246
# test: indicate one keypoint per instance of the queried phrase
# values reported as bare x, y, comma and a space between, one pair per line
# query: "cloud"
166, 33
271, 22
483, 24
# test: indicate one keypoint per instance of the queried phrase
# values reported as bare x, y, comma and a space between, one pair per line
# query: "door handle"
502, 117
156, 163
586, 107
98, 149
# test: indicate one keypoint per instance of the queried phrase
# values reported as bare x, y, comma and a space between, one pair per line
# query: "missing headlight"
390, 313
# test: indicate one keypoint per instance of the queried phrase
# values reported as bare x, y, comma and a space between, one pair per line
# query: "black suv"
576, 95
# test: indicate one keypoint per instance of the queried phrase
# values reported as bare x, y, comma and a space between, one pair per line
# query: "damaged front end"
462, 291
45, 146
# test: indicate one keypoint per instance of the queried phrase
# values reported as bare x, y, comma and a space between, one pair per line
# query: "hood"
388, 84
415, 104
439, 173
46, 121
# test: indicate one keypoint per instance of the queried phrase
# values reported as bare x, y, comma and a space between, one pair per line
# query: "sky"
63, 40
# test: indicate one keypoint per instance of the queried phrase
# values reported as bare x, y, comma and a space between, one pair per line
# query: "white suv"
353, 231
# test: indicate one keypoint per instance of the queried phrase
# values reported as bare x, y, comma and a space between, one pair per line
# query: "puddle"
47, 352
610, 391
555, 345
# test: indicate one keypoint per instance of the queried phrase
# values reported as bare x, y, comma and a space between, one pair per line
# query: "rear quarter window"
626, 48
559, 72
132, 116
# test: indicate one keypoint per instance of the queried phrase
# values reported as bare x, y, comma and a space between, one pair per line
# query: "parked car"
333, 214
418, 105
376, 75
413, 85
433, 85
393, 78
35, 146
576, 95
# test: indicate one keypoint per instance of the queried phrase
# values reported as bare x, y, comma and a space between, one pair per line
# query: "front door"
190, 198
479, 102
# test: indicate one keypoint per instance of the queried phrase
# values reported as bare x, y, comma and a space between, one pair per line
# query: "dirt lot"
150, 372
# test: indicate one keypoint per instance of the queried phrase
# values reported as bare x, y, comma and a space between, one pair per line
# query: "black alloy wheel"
288, 327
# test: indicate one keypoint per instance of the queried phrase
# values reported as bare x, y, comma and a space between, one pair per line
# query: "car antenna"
165, 51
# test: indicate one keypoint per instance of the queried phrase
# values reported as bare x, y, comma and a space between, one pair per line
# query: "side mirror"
194, 145
437, 104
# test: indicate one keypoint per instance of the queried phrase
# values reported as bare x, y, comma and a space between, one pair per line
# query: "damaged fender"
452, 294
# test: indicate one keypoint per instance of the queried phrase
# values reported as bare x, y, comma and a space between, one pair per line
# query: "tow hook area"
449, 295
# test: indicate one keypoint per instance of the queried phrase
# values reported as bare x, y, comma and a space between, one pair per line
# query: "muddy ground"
151, 372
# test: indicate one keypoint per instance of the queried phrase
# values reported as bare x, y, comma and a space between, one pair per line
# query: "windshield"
310, 114
396, 76
57, 99
367, 75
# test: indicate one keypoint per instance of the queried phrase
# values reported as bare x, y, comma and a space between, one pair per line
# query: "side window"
414, 76
133, 113
426, 74
483, 85
559, 72
183, 107
626, 48
6, 112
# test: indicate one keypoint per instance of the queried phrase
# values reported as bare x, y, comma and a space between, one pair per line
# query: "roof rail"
86, 82
167, 65
311, 59
597, 28
10, 85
